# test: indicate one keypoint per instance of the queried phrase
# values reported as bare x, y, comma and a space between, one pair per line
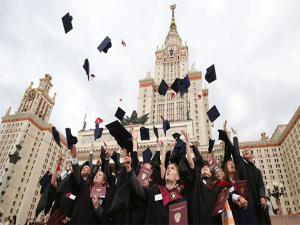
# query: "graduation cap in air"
155, 130
174, 86
86, 67
45, 181
178, 152
71, 140
98, 131
56, 137
67, 22
163, 87
121, 135
166, 125
223, 136
210, 145
213, 114
183, 85
210, 75
98, 120
105, 45
155, 161
147, 155
120, 114
144, 133
115, 156
176, 135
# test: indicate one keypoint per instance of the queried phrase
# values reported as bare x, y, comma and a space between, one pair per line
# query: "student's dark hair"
226, 173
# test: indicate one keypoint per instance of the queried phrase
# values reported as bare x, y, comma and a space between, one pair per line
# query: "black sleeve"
99, 213
105, 169
135, 186
261, 188
238, 160
198, 159
135, 162
76, 174
116, 159
94, 172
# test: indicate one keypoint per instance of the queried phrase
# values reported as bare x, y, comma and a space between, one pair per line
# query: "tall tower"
171, 62
36, 101
28, 133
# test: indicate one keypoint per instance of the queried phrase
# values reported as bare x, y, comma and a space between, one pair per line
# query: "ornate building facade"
29, 132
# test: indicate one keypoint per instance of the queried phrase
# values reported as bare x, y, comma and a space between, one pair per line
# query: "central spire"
173, 38
173, 24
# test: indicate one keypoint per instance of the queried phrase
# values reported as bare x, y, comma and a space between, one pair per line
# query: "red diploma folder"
242, 188
144, 174
178, 213
220, 202
98, 192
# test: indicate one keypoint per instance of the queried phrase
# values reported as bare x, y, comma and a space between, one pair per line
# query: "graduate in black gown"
157, 198
89, 206
204, 192
247, 170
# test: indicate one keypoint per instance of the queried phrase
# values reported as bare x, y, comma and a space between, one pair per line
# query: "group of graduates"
175, 186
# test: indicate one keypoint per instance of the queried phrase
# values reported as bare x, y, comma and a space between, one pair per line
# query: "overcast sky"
254, 44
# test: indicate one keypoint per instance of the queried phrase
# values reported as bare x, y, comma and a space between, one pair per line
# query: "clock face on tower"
171, 53
31, 95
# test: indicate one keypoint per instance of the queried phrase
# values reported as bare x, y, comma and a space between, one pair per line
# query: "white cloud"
253, 44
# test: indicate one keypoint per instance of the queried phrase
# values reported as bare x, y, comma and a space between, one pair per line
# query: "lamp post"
276, 190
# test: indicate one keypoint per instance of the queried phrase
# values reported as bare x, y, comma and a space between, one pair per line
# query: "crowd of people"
174, 186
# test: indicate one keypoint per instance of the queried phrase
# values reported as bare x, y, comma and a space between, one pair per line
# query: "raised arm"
163, 158
188, 150
238, 160
75, 166
57, 169
91, 157
133, 182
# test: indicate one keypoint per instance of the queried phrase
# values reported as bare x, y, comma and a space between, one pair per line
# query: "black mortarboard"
67, 22
105, 45
86, 67
144, 133
121, 135
210, 145
86, 163
115, 156
163, 87
155, 130
98, 131
71, 140
176, 135
55, 135
213, 113
166, 125
155, 161
183, 85
120, 114
174, 86
210, 75
178, 152
147, 155
223, 136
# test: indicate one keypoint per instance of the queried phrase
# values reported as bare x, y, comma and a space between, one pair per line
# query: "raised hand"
127, 163
185, 134
225, 126
234, 131
95, 201
133, 133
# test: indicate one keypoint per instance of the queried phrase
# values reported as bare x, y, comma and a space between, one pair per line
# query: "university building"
29, 132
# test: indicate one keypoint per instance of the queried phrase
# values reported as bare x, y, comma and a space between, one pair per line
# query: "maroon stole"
170, 196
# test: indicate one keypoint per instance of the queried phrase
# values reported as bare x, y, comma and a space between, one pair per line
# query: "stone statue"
134, 119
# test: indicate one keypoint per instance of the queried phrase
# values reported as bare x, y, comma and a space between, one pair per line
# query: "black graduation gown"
156, 212
248, 171
84, 211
